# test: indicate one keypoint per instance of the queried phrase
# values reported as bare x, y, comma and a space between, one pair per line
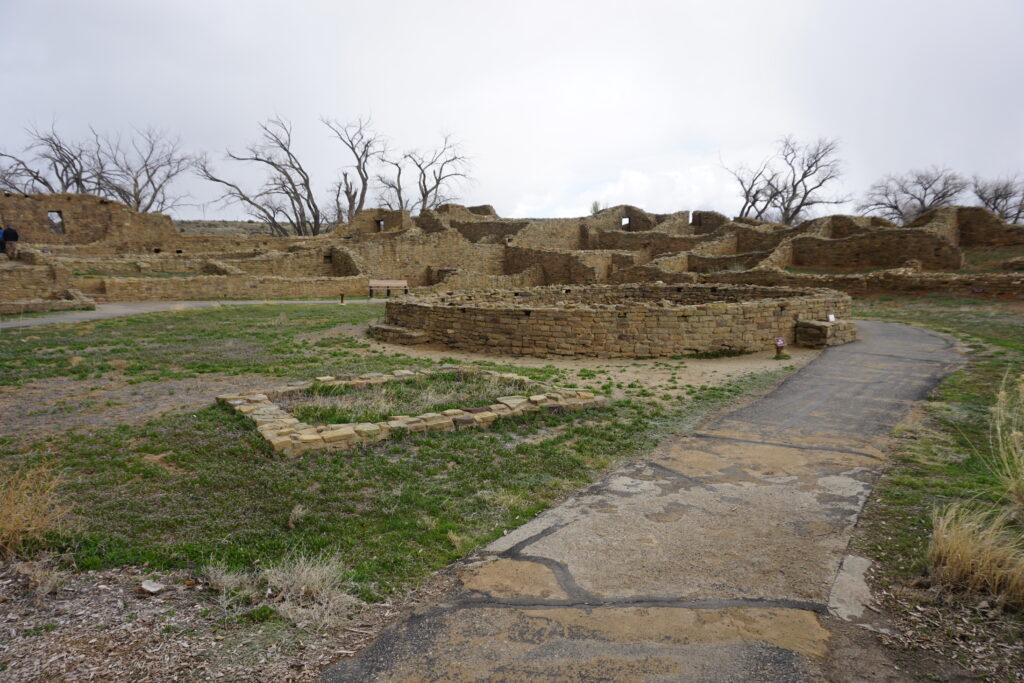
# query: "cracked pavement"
713, 559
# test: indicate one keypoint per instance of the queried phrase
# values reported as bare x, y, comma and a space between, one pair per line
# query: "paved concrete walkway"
713, 560
104, 311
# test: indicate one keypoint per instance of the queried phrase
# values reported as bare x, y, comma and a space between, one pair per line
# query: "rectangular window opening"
56, 222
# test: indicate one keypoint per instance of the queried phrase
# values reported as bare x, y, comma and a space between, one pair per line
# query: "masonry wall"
630, 330
880, 249
229, 287
493, 231
654, 242
20, 282
85, 219
411, 255
981, 228
557, 266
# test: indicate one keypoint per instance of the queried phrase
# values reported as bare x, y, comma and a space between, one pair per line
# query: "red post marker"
780, 344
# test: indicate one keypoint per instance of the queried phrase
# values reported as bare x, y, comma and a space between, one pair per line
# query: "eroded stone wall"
229, 287
609, 322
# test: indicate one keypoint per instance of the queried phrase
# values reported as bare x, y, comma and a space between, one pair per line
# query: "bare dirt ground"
656, 375
44, 407
98, 625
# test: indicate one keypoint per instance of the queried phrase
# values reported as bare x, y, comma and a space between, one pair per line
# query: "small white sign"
831, 317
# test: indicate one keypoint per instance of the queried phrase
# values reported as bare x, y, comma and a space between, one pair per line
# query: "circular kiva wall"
609, 321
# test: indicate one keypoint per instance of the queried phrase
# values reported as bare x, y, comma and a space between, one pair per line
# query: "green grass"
260, 339
185, 490
988, 259
942, 460
334, 404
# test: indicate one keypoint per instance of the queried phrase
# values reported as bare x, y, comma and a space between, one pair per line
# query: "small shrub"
975, 551
29, 506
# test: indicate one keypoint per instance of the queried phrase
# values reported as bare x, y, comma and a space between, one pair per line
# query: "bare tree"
756, 188
392, 190
904, 198
286, 200
1004, 197
365, 145
142, 171
437, 171
51, 163
788, 185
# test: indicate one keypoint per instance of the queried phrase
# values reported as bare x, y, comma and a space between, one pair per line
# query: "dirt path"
715, 559
104, 311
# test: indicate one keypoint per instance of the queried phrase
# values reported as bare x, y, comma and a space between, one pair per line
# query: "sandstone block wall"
21, 282
879, 249
230, 287
609, 322
410, 256
83, 219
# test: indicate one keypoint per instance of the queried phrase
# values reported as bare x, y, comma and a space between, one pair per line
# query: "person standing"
9, 239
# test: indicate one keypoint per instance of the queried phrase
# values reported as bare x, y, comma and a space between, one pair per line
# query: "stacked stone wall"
411, 255
624, 321
230, 287
21, 282
493, 231
83, 219
879, 249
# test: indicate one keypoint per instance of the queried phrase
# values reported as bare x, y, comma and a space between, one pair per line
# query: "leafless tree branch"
904, 198
1003, 196
365, 145
787, 186
141, 172
437, 172
286, 199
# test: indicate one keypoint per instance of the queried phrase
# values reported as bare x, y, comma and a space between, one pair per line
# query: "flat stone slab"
712, 560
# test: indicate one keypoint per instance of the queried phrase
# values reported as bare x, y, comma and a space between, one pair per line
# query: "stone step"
398, 335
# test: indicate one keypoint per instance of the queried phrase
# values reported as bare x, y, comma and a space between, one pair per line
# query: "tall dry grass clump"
977, 551
29, 506
1006, 456
311, 592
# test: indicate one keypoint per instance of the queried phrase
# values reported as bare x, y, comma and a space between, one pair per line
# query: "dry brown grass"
311, 592
976, 551
1006, 458
29, 506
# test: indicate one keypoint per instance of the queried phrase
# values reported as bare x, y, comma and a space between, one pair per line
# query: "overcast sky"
559, 103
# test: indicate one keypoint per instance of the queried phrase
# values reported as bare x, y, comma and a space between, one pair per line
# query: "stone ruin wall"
113, 253
230, 287
882, 249
83, 220
612, 322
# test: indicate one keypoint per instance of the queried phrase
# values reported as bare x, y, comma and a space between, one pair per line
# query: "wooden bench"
387, 286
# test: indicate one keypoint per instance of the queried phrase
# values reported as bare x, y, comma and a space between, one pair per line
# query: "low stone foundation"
609, 321
288, 435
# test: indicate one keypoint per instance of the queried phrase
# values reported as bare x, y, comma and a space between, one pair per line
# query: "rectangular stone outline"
287, 434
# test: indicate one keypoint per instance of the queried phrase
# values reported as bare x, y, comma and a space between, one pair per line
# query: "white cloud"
558, 103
